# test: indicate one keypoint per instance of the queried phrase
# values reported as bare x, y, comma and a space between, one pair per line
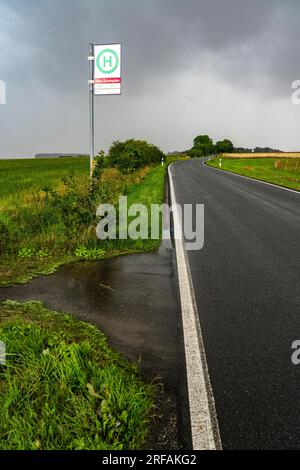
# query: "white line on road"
203, 417
253, 179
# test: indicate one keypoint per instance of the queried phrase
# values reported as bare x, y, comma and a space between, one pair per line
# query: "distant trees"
224, 146
203, 146
242, 150
265, 150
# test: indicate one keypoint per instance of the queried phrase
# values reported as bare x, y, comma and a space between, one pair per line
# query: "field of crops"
263, 155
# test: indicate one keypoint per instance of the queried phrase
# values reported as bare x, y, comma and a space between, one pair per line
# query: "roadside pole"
91, 59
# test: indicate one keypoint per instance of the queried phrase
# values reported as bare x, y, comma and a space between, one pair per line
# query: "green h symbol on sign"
110, 61
107, 60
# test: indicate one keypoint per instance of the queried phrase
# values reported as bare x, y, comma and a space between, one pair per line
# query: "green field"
48, 213
18, 177
281, 171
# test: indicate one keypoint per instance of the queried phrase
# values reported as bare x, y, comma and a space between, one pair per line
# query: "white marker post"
2, 92
105, 79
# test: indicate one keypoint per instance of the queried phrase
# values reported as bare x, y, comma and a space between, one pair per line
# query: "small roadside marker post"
220, 162
104, 79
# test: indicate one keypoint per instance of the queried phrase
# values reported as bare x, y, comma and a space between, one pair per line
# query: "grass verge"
278, 171
63, 387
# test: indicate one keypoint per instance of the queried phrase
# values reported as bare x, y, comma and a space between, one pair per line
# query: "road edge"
203, 417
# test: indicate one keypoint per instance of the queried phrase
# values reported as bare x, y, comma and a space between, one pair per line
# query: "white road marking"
254, 179
204, 424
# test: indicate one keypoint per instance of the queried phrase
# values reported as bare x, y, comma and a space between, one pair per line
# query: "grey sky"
222, 67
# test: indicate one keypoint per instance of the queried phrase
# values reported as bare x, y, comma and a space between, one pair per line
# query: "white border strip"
252, 179
203, 417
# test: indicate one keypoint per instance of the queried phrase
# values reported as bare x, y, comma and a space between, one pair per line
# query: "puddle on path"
132, 299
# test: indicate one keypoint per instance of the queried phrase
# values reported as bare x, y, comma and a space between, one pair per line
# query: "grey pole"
91, 93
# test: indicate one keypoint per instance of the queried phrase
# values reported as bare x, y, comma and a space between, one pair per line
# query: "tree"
194, 153
203, 143
224, 146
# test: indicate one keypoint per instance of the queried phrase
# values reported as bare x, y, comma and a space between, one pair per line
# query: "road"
246, 282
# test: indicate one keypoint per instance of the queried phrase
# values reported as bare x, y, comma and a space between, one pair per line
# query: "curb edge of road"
203, 416
295, 191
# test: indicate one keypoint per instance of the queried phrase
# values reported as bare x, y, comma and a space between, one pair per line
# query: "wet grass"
280, 171
63, 387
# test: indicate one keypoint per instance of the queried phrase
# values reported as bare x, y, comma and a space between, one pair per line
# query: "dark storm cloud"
162, 37
250, 45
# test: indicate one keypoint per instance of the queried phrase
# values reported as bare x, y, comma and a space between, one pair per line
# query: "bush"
102, 162
76, 207
133, 154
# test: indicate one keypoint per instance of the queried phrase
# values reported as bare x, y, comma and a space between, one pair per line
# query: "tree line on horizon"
203, 145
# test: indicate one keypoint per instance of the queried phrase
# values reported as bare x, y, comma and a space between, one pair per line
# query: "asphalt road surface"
246, 282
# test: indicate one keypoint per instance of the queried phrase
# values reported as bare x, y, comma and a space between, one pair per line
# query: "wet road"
246, 281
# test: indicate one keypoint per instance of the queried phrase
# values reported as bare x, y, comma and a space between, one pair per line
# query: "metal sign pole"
91, 59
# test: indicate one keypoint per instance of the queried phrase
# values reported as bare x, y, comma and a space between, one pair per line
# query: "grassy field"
263, 155
19, 178
48, 213
63, 387
281, 171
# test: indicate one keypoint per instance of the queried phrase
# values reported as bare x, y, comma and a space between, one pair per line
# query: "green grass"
19, 176
63, 387
60, 222
283, 173
150, 191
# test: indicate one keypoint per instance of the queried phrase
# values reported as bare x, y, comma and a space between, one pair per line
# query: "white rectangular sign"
107, 69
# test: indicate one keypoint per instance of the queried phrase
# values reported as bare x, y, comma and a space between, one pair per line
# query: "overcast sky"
217, 67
